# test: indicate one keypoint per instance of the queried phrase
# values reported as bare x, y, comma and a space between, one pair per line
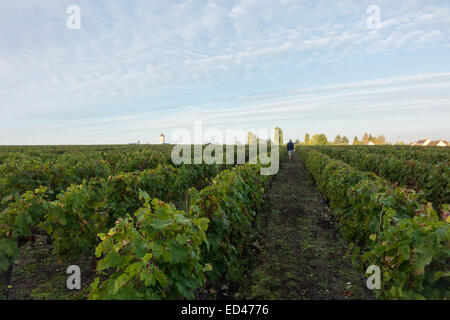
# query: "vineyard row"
388, 226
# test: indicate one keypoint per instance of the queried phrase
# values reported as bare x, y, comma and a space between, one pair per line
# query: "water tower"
162, 138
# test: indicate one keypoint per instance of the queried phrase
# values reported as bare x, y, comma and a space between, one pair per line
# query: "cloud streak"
141, 55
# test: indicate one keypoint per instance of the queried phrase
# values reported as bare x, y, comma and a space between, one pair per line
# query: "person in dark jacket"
290, 150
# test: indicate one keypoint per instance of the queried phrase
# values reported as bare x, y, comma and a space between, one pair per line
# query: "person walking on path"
290, 150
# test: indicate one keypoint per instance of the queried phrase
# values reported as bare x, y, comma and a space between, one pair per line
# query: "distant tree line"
369, 138
321, 139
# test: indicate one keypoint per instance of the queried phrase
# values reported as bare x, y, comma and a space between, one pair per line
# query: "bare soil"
300, 253
38, 274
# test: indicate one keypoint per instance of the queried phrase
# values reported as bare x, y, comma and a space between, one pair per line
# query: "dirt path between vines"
301, 254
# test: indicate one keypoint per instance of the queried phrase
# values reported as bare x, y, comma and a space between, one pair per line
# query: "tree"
251, 137
356, 141
380, 139
365, 138
344, 140
338, 139
307, 138
319, 139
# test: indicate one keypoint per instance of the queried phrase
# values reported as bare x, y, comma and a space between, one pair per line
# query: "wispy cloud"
131, 54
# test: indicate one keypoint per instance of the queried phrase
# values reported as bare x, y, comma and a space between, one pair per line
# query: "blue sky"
138, 68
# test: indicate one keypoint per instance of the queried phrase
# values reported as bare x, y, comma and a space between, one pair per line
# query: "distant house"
423, 142
370, 143
428, 142
439, 143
